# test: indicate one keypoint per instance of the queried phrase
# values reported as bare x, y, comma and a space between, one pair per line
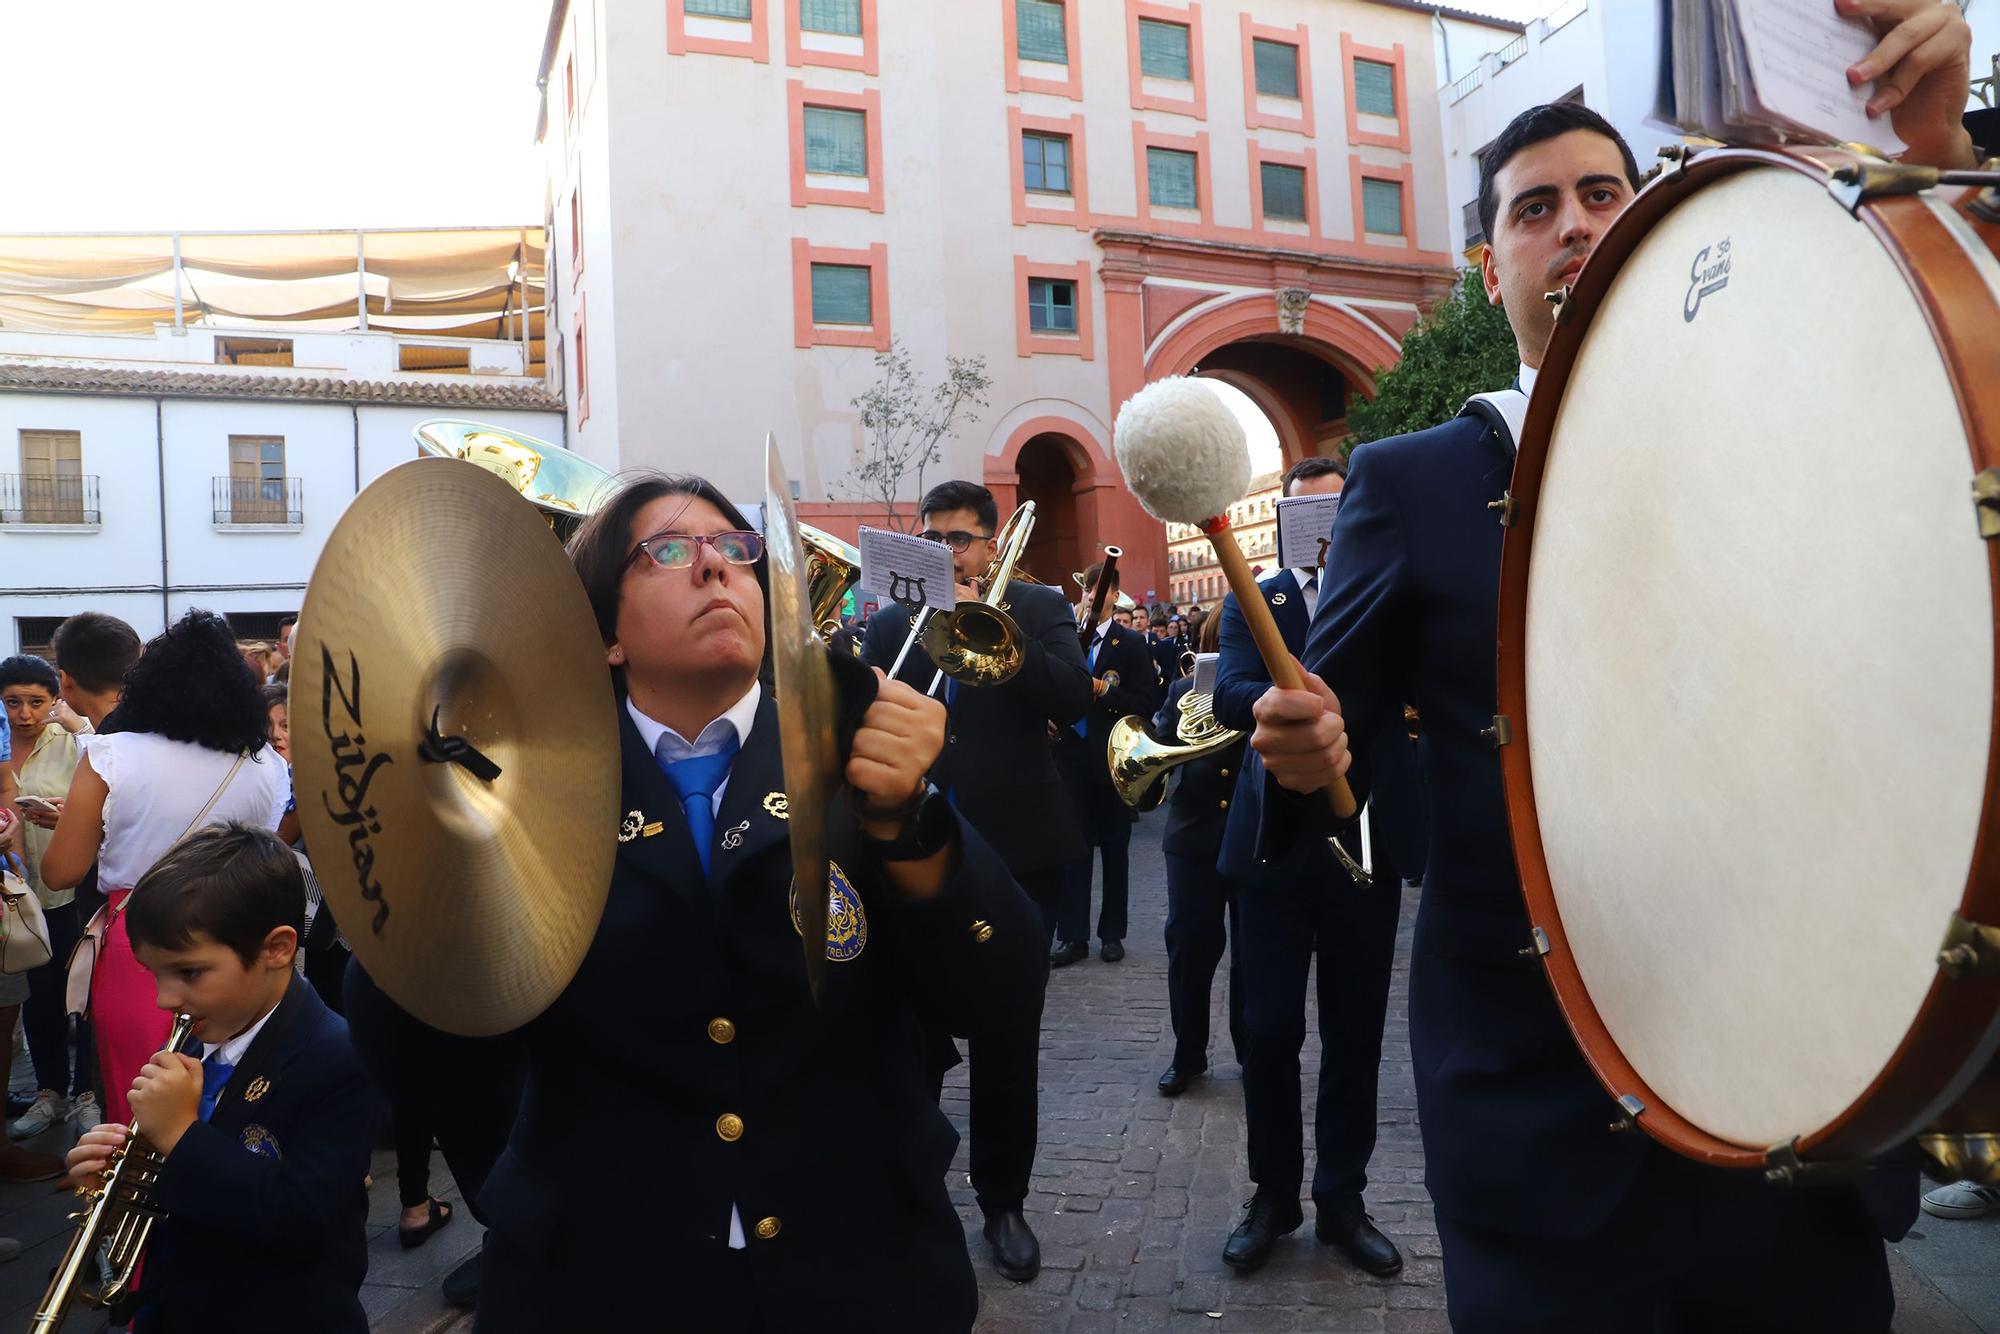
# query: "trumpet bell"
975, 644
1139, 764
565, 486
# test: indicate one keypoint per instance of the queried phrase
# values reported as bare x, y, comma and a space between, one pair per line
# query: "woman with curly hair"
189, 750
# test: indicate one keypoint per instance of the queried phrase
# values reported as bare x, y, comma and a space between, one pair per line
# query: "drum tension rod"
1858, 182
1970, 950
1501, 733
1784, 1167
1629, 1107
1986, 501
1506, 507
441, 749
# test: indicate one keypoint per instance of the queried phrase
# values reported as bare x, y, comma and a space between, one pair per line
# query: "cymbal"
455, 747
802, 690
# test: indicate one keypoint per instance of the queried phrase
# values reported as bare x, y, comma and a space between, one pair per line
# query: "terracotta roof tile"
460, 392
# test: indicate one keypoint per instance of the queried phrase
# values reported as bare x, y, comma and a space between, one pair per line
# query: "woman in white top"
185, 746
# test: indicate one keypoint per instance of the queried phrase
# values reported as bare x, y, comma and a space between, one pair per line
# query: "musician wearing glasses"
783, 1164
1550, 1219
999, 772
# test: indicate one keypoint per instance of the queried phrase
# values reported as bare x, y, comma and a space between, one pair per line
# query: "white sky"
268, 114
1266, 455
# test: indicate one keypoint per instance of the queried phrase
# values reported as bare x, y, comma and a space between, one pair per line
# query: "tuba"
565, 486
978, 643
1138, 762
119, 1218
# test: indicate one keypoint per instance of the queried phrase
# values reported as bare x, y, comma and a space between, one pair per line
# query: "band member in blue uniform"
1550, 1220
1200, 898
783, 1164
1123, 679
998, 770
1292, 908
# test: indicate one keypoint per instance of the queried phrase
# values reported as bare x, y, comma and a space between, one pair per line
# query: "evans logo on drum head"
1708, 275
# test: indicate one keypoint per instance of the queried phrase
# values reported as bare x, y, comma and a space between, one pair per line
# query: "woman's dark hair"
1531, 127
229, 882
96, 649
1208, 639
602, 548
26, 669
191, 684
274, 694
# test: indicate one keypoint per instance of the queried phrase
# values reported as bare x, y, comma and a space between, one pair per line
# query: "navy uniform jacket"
997, 762
1203, 788
1397, 814
1138, 691
686, 1068
1515, 1124
1166, 658
267, 1215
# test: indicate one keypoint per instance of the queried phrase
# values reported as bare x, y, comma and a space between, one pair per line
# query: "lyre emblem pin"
628, 828
258, 1088
778, 805
1277, 599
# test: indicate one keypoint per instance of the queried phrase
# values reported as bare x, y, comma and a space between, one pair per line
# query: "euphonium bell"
832, 567
1139, 763
978, 643
565, 486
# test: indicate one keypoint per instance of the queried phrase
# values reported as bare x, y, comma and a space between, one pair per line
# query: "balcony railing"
38, 498
1467, 81
1564, 13
1514, 50
240, 500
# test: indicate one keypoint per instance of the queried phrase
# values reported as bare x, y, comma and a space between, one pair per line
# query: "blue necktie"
1082, 725
214, 1074
696, 779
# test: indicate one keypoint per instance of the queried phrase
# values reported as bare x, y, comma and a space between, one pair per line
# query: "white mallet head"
1182, 451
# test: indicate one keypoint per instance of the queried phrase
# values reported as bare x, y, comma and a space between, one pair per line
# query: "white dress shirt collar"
738, 718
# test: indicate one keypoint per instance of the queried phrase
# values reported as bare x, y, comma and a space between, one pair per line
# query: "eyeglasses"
677, 551
957, 539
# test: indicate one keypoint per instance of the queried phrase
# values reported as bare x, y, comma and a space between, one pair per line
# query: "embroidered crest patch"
261, 1141
846, 921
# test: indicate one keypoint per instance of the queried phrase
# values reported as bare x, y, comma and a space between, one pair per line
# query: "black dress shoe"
1178, 1077
1355, 1235
1016, 1253
1068, 952
1250, 1244
461, 1285
1112, 952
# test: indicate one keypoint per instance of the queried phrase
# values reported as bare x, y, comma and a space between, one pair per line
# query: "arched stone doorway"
1047, 474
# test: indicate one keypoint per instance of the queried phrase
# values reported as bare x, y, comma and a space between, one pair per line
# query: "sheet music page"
1798, 52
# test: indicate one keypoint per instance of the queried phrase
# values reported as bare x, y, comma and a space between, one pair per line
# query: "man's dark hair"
1095, 572
229, 882
604, 546
948, 496
1307, 469
284, 621
96, 649
1531, 127
191, 684
25, 669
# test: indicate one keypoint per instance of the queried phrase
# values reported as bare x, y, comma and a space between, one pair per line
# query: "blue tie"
214, 1074
696, 779
1082, 725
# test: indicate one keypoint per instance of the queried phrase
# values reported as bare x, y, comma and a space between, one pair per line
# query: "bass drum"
1747, 652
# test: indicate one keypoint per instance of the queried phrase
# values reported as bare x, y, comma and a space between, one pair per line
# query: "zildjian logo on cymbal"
354, 810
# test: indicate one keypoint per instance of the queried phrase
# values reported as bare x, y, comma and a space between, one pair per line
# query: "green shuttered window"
1038, 31
836, 16
836, 141
717, 9
1284, 191
1045, 163
1382, 206
1163, 50
1374, 88
1277, 67
1051, 305
840, 294
1170, 178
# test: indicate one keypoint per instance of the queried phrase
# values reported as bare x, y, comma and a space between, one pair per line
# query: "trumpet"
1139, 763
978, 643
119, 1218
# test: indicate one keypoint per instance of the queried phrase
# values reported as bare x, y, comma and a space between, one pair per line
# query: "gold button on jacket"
730, 1126
768, 1228
721, 1030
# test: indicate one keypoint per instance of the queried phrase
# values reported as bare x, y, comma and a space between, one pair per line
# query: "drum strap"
1505, 410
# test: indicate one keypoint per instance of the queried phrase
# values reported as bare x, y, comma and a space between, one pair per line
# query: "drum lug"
1970, 950
1563, 301
1506, 507
1629, 1107
1784, 1167
1502, 731
1539, 948
1675, 157
1860, 181
1986, 501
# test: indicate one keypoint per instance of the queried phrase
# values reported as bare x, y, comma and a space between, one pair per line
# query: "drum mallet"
1184, 457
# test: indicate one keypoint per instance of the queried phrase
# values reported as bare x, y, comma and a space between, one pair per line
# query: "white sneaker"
1961, 1199
44, 1112
85, 1114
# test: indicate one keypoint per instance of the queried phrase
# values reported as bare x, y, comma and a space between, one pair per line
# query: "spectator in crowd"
45, 753
93, 653
189, 750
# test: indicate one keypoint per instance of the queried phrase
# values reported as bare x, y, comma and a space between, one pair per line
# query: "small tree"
907, 423
1462, 347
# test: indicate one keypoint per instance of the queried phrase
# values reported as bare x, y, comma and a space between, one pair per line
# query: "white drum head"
1759, 662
